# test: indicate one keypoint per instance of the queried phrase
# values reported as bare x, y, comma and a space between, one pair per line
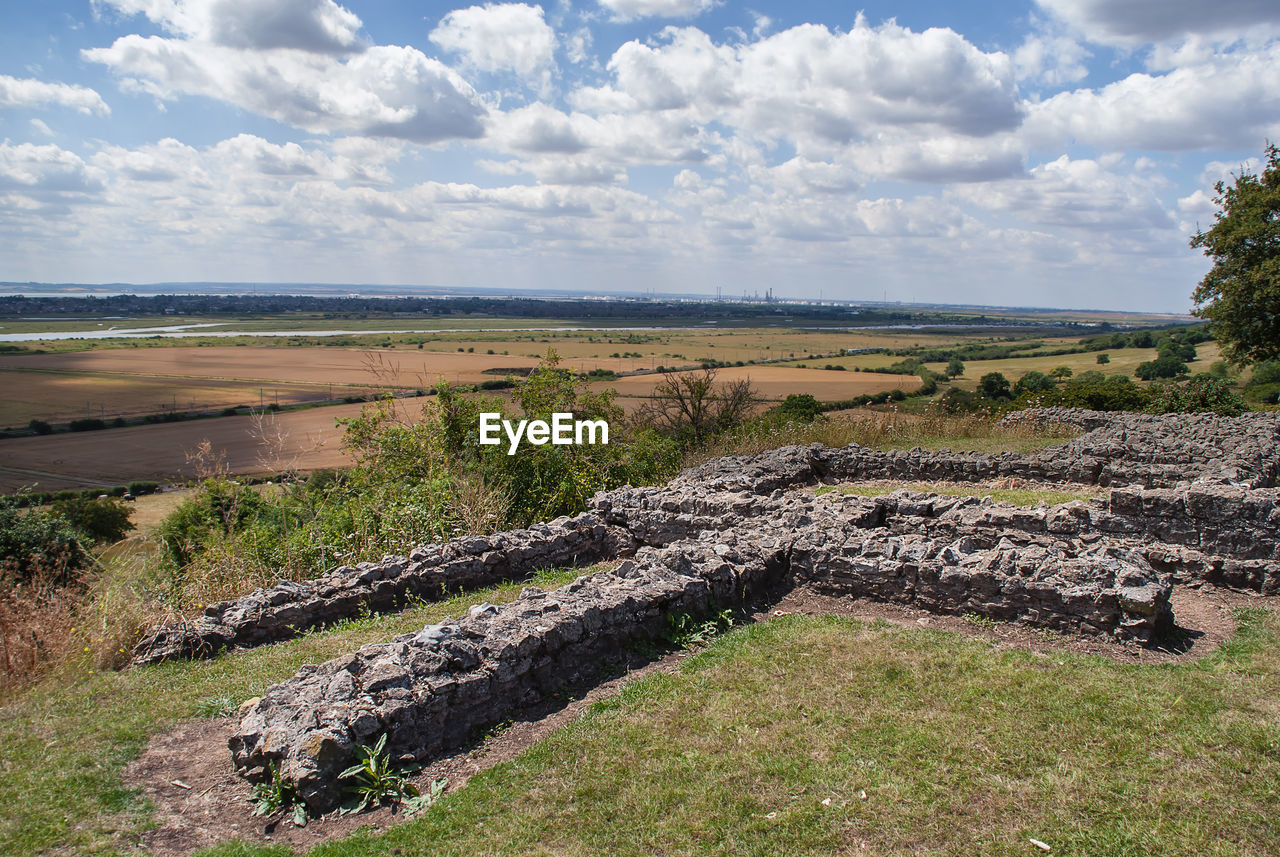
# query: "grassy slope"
66, 742
766, 743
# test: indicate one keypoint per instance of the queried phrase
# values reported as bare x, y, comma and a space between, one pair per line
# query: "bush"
1200, 394
87, 424
141, 489
217, 508
1265, 373
40, 427
799, 407
101, 521
1033, 382
1103, 359
1164, 366
994, 386
37, 540
956, 400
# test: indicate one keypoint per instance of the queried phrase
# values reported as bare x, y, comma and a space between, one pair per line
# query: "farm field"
110, 383
160, 376
1123, 362
159, 452
164, 375
775, 383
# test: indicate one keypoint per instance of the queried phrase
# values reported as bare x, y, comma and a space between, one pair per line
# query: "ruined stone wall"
291, 607
429, 691
1199, 527
1152, 451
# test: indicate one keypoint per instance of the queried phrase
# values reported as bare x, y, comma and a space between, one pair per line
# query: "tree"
1061, 373
1240, 296
691, 407
1165, 366
955, 368
1033, 382
1104, 359
994, 385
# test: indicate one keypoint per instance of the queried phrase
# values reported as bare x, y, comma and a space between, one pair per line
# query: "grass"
887, 430
828, 736
67, 740
1016, 496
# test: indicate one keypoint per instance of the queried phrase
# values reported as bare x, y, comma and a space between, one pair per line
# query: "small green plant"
684, 630
216, 706
983, 623
278, 794
416, 804
373, 779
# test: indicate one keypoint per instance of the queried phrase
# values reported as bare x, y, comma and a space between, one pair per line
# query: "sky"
1046, 153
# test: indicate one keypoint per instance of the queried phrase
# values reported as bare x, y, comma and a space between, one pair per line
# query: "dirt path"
199, 801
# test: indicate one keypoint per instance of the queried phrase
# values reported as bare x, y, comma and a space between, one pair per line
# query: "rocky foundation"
729, 532
1212, 527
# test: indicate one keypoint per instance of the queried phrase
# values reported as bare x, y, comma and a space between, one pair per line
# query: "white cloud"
1083, 194
383, 91
1053, 60
28, 93
628, 10
1230, 102
941, 159
504, 37
812, 86
43, 180
319, 26
41, 128
577, 46
1131, 22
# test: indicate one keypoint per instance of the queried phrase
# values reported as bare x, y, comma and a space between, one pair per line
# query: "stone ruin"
1190, 502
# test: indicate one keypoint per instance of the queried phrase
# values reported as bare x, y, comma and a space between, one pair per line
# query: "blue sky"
1049, 153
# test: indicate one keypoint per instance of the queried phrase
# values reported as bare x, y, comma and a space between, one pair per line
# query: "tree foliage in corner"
1241, 294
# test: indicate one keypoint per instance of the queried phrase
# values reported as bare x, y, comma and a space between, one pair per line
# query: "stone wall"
291, 607
735, 528
430, 691
1203, 530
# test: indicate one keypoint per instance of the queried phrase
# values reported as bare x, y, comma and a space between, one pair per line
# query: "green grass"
1016, 496
66, 742
767, 741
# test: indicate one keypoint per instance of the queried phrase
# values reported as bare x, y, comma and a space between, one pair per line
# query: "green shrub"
40, 427
102, 521
87, 424
38, 540
1200, 394
1164, 366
